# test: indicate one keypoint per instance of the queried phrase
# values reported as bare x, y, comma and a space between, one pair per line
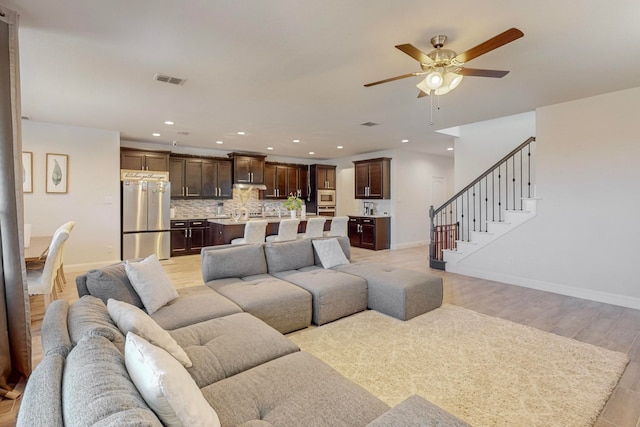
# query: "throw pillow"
330, 252
166, 385
132, 319
151, 283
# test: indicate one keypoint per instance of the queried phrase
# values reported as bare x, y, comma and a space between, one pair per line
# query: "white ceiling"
290, 69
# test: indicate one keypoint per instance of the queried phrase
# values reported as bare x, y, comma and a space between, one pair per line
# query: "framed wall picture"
57, 173
27, 172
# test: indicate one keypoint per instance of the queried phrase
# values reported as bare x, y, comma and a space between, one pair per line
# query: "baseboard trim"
556, 288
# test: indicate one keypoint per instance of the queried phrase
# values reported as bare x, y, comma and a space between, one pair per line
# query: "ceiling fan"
444, 68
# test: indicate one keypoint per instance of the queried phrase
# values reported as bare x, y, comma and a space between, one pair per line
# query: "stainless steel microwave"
326, 197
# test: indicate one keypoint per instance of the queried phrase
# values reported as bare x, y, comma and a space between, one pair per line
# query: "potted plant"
293, 203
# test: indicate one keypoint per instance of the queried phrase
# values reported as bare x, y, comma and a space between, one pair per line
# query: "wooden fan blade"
491, 44
422, 94
404, 76
482, 73
415, 53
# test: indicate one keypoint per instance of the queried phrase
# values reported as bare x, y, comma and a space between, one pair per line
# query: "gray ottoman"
403, 294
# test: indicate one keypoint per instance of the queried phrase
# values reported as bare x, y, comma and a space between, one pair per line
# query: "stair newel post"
432, 245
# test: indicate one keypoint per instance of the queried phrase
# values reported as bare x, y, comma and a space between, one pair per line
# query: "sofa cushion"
89, 316
233, 261
291, 255
112, 282
166, 386
417, 412
296, 387
42, 399
130, 318
151, 282
96, 387
195, 304
281, 305
330, 252
335, 294
54, 330
223, 347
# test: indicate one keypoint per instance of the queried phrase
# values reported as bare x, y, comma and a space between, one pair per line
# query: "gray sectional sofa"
231, 329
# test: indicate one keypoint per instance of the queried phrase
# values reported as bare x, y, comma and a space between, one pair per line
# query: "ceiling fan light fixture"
423, 87
434, 80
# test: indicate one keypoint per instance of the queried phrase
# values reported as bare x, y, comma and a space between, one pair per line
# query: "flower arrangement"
293, 203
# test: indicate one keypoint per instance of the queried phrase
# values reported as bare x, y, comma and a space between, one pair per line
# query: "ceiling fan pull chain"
431, 122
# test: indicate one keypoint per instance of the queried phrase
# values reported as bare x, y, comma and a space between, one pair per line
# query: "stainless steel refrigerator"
145, 219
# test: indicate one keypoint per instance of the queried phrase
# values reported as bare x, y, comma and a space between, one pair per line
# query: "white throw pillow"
330, 252
130, 318
151, 283
166, 385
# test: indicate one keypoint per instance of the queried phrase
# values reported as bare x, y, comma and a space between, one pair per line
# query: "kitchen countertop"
202, 217
230, 221
372, 216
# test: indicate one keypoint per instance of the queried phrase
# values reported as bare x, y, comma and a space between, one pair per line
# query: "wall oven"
327, 198
327, 210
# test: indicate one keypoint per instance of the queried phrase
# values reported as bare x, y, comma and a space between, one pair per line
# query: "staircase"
495, 203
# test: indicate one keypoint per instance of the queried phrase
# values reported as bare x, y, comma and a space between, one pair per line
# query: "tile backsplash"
198, 208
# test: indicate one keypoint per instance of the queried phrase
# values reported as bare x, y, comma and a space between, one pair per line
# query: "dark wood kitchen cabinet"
200, 178
284, 179
217, 179
248, 169
144, 160
373, 178
369, 232
323, 177
188, 236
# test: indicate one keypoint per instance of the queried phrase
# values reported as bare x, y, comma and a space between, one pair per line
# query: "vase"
293, 214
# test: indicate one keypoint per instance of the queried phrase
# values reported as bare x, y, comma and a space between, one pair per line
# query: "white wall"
482, 144
411, 176
583, 241
94, 164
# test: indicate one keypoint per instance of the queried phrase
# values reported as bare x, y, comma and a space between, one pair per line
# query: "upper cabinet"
200, 178
144, 160
248, 168
372, 178
284, 179
323, 177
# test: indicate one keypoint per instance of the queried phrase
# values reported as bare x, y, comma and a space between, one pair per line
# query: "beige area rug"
485, 370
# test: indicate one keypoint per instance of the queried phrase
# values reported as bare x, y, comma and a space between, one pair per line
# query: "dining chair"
288, 230
338, 226
43, 282
315, 226
68, 226
254, 232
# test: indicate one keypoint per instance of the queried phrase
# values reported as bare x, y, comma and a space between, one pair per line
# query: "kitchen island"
223, 230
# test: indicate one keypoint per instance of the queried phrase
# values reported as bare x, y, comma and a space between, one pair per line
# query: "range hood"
250, 186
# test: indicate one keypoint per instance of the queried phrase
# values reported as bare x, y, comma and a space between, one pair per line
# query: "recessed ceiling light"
450, 149
269, 148
242, 133
339, 147
311, 152
155, 134
296, 141
219, 142
169, 122
404, 141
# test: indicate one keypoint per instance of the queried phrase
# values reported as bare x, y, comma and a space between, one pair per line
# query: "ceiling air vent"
369, 124
169, 79
183, 132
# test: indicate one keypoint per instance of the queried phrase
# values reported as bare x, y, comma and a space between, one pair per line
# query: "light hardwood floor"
612, 327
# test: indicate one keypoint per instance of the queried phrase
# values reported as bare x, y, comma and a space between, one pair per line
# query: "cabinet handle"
178, 224
186, 233
190, 231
